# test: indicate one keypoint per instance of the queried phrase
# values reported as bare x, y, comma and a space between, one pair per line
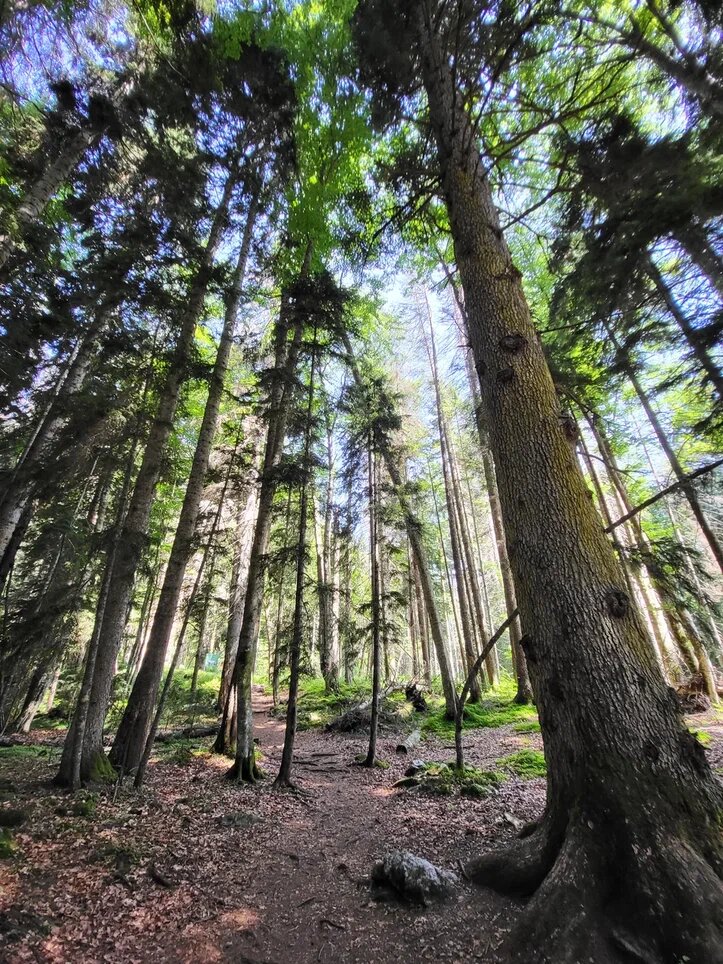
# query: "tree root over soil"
627, 893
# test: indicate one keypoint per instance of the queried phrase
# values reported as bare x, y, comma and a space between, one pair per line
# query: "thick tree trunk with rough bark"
135, 723
626, 861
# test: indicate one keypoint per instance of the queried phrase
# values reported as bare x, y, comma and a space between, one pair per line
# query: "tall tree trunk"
286, 358
70, 772
695, 241
423, 626
248, 510
458, 636
283, 778
465, 615
414, 533
687, 487
19, 490
484, 630
691, 335
632, 805
376, 647
111, 623
208, 551
38, 194
519, 660
133, 728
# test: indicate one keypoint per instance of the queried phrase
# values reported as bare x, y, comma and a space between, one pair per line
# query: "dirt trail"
195, 869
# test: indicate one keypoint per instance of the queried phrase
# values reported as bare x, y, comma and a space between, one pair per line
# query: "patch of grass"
702, 736
28, 751
527, 764
493, 711
527, 726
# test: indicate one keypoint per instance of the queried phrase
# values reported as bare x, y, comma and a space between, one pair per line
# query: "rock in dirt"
239, 819
411, 878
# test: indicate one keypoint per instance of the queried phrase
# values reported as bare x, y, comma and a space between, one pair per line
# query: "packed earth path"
194, 868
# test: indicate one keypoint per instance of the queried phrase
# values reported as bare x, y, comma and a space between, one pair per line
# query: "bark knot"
569, 427
505, 375
513, 343
617, 603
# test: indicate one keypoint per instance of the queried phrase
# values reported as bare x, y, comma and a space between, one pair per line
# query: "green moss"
702, 736
26, 751
528, 764
101, 770
84, 805
8, 846
444, 779
527, 726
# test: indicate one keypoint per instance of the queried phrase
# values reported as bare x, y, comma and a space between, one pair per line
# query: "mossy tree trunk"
626, 862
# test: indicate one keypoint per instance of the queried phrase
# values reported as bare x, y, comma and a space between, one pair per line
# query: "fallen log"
187, 733
410, 742
359, 715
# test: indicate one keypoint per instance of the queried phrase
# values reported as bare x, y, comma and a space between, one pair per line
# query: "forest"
361, 481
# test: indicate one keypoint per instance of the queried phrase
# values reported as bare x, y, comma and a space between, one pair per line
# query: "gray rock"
239, 818
415, 767
412, 878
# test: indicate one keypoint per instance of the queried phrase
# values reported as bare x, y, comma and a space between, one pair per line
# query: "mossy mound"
528, 764
101, 770
445, 779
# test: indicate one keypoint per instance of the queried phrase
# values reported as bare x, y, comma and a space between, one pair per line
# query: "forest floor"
195, 869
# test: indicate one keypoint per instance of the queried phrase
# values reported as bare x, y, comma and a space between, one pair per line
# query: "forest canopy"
358, 355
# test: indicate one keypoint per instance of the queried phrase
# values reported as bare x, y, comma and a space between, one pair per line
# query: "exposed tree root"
634, 895
520, 868
247, 772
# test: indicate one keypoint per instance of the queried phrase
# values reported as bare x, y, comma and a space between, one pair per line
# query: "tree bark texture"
628, 857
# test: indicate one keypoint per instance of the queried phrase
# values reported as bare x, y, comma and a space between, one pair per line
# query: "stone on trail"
239, 819
411, 878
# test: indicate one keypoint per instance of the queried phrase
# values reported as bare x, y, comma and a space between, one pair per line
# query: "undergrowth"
444, 779
495, 709
527, 764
